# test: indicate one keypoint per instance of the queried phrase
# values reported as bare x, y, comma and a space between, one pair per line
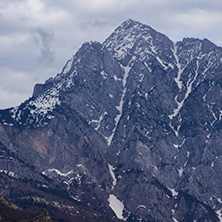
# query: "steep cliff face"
130, 128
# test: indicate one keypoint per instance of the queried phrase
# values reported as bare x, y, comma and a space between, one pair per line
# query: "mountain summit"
129, 130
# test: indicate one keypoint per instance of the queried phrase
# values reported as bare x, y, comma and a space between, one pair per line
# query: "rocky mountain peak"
133, 38
208, 46
134, 122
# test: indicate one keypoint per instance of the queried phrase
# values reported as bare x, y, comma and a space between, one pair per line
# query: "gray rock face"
134, 122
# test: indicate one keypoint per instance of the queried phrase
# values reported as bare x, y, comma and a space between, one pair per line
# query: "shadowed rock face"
10, 212
130, 129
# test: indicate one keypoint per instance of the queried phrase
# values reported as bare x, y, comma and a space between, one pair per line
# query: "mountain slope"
10, 212
129, 128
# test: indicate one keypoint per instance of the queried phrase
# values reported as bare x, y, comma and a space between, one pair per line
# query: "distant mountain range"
130, 130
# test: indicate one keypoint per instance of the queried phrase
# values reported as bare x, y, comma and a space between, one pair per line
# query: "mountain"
130, 129
10, 212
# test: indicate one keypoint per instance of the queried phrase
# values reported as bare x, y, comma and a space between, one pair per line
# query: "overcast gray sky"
37, 37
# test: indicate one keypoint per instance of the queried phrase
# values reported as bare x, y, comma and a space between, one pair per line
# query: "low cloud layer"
37, 37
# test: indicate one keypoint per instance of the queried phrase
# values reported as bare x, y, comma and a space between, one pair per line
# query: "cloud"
37, 37
44, 39
14, 87
11, 97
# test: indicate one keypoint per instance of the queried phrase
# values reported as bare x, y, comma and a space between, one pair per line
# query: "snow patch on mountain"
111, 170
174, 193
189, 86
45, 103
9, 173
98, 122
120, 106
175, 220
68, 66
116, 205
178, 65
219, 213
180, 171
58, 172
